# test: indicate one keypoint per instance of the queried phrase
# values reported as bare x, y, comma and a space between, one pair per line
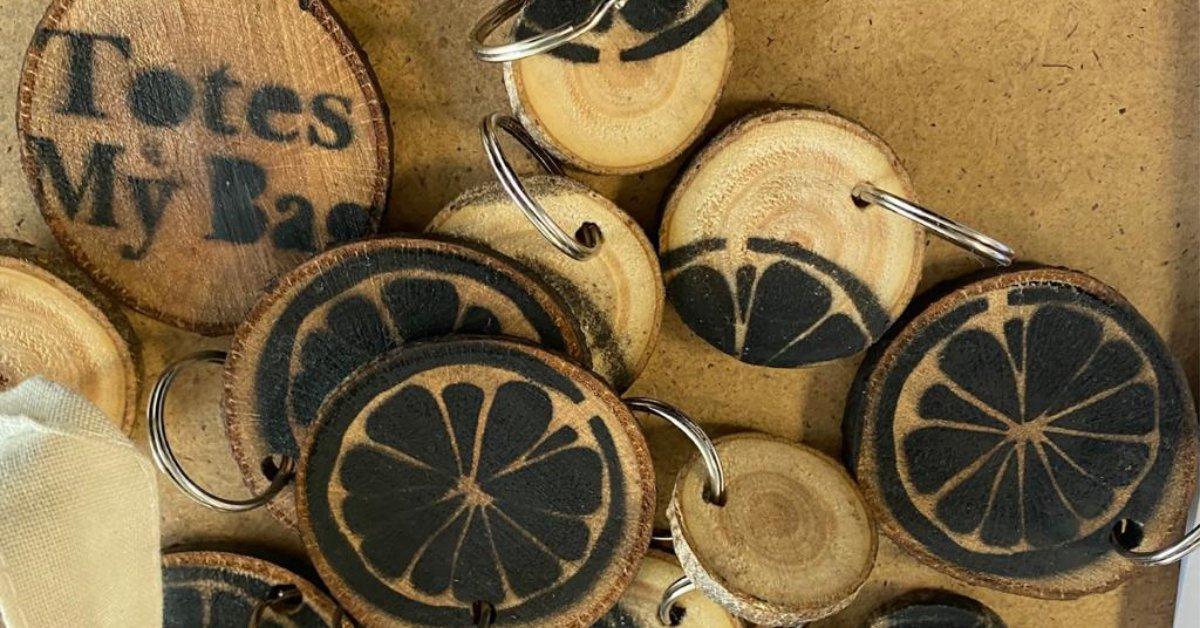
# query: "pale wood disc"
932, 608
617, 294
220, 590
767, 257
638, 607
187, 153
476, 470
633, 94
353, 304
55, 324
793, 542
1002, 433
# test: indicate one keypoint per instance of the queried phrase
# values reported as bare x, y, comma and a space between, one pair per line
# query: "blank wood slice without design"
767, 257
351, 305
638, 607
793, 541
616, 295
930, 608
1002, 433
187, 153
476, 470
55, 324
220, 590
633, 94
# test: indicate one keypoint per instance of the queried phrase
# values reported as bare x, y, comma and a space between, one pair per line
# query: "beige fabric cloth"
79, 535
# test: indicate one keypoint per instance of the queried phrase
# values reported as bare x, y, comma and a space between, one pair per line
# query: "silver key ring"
982, 245
164, 457
545, 42
284, 600
671, 595
715, 489
1166, 556
590, 237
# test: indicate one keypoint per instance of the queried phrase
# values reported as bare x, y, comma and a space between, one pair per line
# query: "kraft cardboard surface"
1065, 128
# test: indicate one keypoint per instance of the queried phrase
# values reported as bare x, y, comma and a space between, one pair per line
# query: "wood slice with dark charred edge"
351, 305
56, 324
767, 257
931, 608
1002, 432
476, 470
638, 607
633, 94
186, 153
616, 295
793, 541
220, 590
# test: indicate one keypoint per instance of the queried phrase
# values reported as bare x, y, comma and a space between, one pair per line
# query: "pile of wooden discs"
440, 417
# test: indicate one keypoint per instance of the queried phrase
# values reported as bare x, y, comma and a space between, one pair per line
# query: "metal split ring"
715, 490
1166, 556
538, 44
277, 599
164, 457
590, 237
671, 595
982, 245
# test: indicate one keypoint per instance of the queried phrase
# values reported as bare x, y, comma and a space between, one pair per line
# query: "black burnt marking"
196, 595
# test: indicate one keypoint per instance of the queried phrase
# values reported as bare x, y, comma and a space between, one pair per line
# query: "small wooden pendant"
352, 305
220, 590
54, 323
616, 295
472, 471
767, 257
633, 94
186, 153
638, 607
1005, 430
793, 541
929, 608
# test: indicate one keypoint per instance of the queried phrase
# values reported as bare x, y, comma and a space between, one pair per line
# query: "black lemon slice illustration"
221, 590
471, 471
1009, 426
767, 257
930, 608
351, 305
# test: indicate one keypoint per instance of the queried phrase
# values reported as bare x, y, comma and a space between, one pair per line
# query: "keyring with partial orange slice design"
1027, 431
789, 241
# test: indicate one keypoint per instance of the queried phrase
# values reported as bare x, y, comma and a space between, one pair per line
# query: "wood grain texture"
616, 295
633, 94
54, 323
793, 541
638, 606
349, 306
475, 470
220, 590
1009, 425
930, 608
185, 154
767, 257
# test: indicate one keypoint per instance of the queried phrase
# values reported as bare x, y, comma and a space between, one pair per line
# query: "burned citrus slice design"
767, 257
348, 307
1016, 422
221, 590
465, 471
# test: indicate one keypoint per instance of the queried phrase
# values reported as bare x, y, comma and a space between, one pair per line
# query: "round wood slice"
617, 295
638, 607
55, 324
220, 590
1004, 431
186, 153
767, 257
353, 304
476, 470
633, 94
793, 541
930, 608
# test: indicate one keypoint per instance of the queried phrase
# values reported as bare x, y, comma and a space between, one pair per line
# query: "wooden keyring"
590, 237
168, 463
545, 42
